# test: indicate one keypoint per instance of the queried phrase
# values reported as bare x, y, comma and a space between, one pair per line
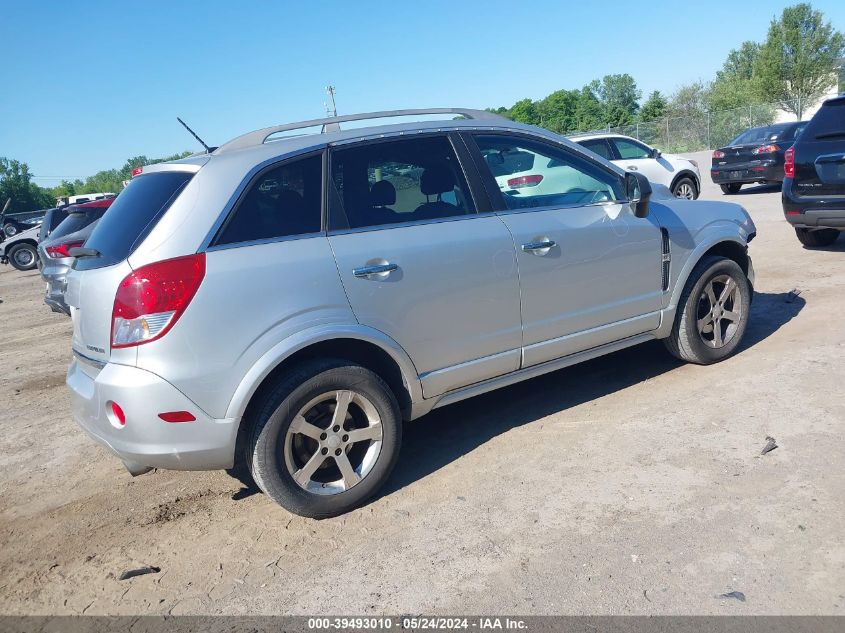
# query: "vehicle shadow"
445, 435
767, 188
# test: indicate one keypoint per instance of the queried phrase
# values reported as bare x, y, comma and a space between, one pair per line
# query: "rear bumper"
812, 213
146, 440
56, 277
761, 171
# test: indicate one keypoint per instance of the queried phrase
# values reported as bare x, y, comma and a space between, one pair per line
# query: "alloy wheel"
685, 191
333, 442
719, 311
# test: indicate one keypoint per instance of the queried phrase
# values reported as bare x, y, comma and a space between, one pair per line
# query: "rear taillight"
718, 154
151, 299
137, 170
62, 250
525, 181
765, 149
789, 163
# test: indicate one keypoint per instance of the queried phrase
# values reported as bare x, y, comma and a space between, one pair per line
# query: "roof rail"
331, 124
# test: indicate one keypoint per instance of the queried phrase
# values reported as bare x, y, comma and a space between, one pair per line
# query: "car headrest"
437, 179
382, 194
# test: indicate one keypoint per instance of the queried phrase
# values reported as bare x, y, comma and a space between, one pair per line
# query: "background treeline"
799, 61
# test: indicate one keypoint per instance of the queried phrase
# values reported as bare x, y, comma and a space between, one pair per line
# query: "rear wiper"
81, 251
830, 134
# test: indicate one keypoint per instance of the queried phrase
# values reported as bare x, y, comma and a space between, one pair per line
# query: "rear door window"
401, 181
132, 216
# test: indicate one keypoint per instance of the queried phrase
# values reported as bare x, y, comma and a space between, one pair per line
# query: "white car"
680, 174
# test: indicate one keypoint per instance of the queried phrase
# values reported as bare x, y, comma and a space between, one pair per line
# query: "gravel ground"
632, 484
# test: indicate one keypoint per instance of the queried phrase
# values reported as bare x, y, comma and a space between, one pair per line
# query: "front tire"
731, 187
817, 238
685, 188
23, 256
325, 438
712, 314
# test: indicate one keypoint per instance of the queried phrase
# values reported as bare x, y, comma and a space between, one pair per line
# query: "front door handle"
374, 270
540, 247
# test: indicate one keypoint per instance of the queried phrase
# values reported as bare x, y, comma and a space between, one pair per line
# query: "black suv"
813, 191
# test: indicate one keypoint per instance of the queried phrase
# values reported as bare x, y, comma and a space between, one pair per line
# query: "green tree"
800, 59
525, 111
654, 107
619, 97
740, 62
589, 113
16, 185
557, 111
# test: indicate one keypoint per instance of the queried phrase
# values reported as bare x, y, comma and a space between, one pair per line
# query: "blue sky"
85, 85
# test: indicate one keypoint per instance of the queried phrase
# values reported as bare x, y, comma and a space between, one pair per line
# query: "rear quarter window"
132, 216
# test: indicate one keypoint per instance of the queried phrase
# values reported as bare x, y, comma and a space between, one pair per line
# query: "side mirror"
655, 153
638, 189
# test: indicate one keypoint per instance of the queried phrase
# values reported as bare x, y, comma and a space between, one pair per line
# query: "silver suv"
287, 302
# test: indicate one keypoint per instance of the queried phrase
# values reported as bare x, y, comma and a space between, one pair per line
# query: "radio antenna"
194, 134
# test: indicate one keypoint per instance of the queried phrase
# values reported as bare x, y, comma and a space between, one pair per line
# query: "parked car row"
807, 158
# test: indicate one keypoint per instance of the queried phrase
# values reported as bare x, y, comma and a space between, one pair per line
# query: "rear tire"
817, 238
712, 314
298, 459
23, 256
731, 187
685, 189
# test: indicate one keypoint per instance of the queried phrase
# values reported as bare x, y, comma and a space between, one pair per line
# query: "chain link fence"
703, 130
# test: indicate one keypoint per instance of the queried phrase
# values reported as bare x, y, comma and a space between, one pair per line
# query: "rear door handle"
536, 247
373, 270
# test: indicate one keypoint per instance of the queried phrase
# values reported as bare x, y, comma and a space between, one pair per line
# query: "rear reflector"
118, 413
793, 213
525, 181
62, 250
177, 416
151, 299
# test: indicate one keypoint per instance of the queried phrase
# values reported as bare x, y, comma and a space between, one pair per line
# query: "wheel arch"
365, 346
732, 248
686, 173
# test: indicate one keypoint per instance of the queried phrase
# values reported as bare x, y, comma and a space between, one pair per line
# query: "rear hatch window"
828, 124
132, 216
77, 220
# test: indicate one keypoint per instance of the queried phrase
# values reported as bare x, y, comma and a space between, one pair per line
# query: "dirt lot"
631, 484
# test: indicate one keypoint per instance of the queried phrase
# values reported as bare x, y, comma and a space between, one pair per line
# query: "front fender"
318, 334
680, 271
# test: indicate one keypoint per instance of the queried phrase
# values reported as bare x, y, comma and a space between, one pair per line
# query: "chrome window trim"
229, 207
555, 207
397, 225
99, 364
264, 240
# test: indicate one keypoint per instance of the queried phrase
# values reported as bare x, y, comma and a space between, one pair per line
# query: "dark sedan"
756, 155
